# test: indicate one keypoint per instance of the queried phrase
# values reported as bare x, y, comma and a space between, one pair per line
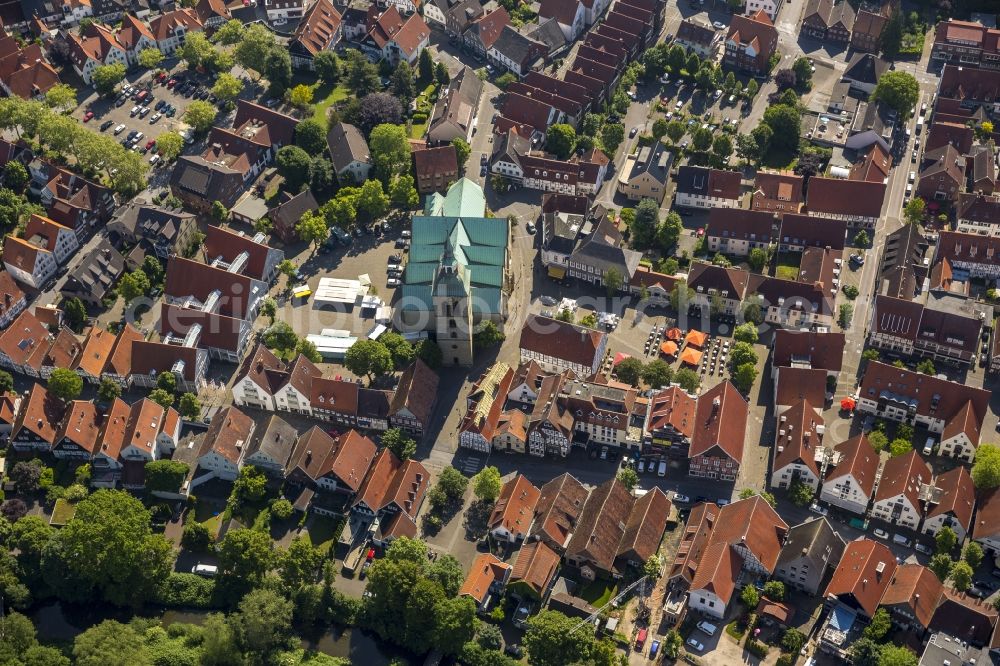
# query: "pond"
57, 622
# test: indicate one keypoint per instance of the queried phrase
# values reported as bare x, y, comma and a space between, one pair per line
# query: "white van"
208, 570
901, 540
662, 469
707, 627
929, 446
642, 466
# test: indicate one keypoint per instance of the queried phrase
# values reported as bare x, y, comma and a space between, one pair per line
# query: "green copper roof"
464, 199
474, 247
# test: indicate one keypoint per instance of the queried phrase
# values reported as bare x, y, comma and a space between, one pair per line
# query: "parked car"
681, 499
921, 548
632, 132
530, 227
816, 508
156, 116
695, 645
901, 540
707, 627
392, 282
134, 111
106, 124
718, 25
119, 129
207, 570
88, 116
880, 533
144, 112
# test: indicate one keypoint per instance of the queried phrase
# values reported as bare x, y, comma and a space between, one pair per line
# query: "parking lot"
151, 115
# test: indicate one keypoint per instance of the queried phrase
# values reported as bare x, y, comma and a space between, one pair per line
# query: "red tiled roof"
228, 435
558, 339
958, 496
515, 507
718, 570
535, 566
227, 245
863, 575
835, 196
858, 459
916, 588
484, 572
720, 422
903, 475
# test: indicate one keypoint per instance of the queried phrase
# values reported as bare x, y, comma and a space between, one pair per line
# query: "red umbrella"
848, 404
619, 357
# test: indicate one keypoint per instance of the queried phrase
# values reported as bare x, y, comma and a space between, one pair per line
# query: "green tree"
486, 485
425, 66
745, 333
612, 135
899, 90
986, 469
551, 640
65, 384
293, 165
861, 239
107, 77
973, 554
926, 366
744, 377
299, 564
230, 33
560, 140
150, 58
669, 231
441, 74
488, 335
109, 643
961, 576
657, 373
327, 66
311, 228
402, 85
452, 483
75, 313
197, 50
628, 477
124, 562
15, 176
163, 398
249, 489
899, 447
647, 220
878, 440
462, 150
750, 597
200, 115
256, 43
742, 353
629, 371
301, 96
196, 537
774, 590
189, 406
428, 351
245, 557
108, 390
896, 655
390, 150
61, 97
167, 381
800, 494
676, 130
396, 441
941, 565
269, 309
165, 475
688, 380
219, 211
659, 129
227, 88
945, 540
701, 139
169, 145
455, 624
403, 192
793, 640
785, 123
846, 313
368, 358
803, 72
914, 210
262, 625
879, 626
505, 80
722, 146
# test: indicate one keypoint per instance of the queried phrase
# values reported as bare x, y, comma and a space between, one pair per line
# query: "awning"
696, 338
619, 357
669, 348
675, 334
691, 357
848, 404
557, 272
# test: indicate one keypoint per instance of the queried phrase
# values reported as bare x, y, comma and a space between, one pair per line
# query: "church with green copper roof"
456, 277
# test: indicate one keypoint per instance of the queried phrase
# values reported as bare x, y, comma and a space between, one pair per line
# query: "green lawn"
321, 530
787, 266
208, 515
417, 131
62, 513
777, 158
326, 97
598, 593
